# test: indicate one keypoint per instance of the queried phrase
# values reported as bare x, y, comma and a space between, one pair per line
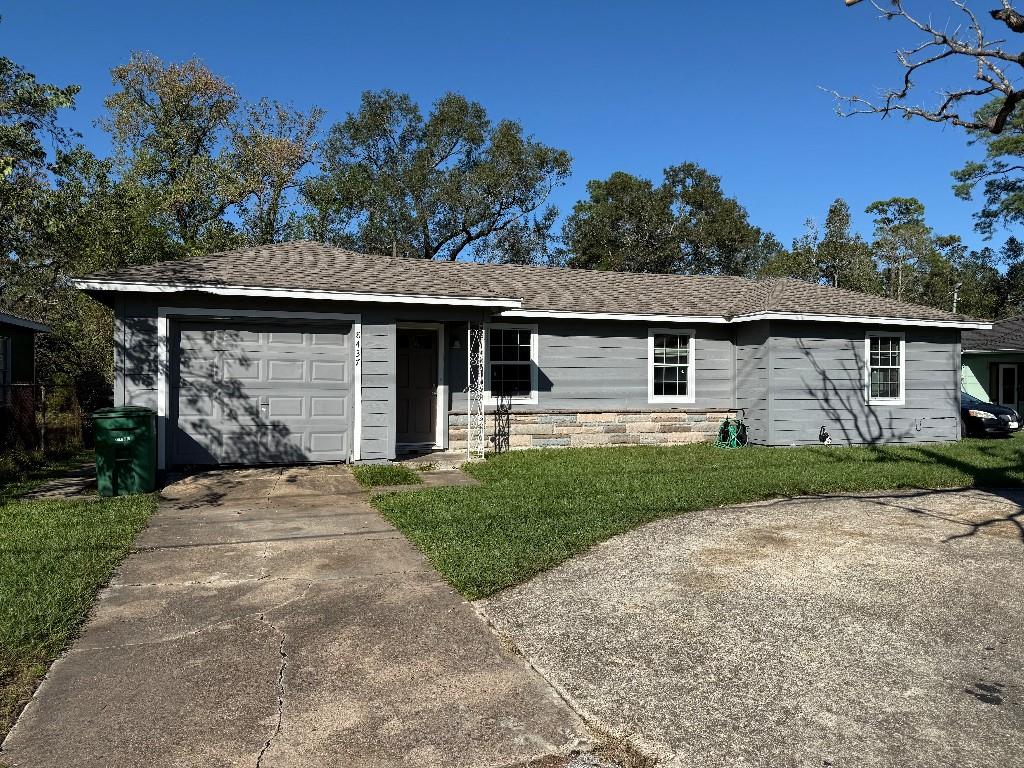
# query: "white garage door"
258, 394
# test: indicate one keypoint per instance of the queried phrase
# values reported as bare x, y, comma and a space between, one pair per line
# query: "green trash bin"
125, 450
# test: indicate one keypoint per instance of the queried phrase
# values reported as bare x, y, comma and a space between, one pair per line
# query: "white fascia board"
1007, 351
862, 319
516, 313
287, 293
541, 313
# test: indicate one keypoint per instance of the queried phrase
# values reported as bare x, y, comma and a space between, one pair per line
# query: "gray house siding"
378, 388
135, 352
753, 362
602, 366
816, 378
790, 378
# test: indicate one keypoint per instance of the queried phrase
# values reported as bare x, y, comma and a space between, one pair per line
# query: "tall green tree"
684, 225
436, 187
201, 159
625, 224
168, 123
271, 145
799, 262
715, 235
1012, 298
903, 242
28, 124
999, 176
842, 257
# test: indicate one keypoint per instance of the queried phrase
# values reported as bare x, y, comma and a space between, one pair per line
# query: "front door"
417, 386
1007, 393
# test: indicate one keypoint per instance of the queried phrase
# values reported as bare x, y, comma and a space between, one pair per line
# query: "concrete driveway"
840, 631
272, 618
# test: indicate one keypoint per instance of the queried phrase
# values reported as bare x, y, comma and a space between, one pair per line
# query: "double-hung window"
512, 363
884, 378
670, 366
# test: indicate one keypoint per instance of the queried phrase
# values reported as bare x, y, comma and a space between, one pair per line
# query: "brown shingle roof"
305, 265
1005, 335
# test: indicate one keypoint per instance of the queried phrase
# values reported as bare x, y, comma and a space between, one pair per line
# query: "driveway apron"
272, 618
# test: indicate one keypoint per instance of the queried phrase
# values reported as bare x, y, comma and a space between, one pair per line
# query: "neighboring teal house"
993, 363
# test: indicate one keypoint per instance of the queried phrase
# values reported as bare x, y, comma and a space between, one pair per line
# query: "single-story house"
993, 363
18, 378
306, 352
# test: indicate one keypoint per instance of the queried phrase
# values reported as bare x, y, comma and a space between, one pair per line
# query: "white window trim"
489, 398
691, 391
901, 400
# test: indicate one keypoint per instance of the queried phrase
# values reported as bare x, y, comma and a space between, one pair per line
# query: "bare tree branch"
968, 41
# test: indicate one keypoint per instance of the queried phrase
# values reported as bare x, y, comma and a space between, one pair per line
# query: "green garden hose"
732, 433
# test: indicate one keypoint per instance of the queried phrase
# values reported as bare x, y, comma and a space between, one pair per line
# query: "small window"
512, 362
670, 366
885, 353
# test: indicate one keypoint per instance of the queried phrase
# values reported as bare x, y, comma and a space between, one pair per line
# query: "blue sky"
631, 86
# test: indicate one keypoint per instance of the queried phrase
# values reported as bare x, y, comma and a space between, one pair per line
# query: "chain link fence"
37, 417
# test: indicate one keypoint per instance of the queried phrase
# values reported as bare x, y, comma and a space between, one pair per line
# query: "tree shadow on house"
841, 400
214, 415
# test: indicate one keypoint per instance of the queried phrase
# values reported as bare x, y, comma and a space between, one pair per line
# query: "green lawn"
372, 475
535, 509
54, 556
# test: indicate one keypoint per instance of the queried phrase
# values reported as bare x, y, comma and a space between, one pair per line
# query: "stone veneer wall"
551, 429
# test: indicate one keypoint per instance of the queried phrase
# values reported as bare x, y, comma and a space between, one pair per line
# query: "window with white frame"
885, 355
670, 366
512, 362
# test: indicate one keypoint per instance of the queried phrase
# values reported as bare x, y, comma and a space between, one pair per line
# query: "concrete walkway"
867, 631
271, 618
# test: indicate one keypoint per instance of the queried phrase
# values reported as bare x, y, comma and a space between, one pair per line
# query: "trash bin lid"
123, 411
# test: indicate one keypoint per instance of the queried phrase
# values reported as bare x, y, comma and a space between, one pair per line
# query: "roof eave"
864, 320
103, 286
1000, 351
21, 322
746, 318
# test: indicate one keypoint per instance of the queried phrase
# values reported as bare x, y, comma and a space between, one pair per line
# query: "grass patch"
537, 508
373, 475
54, 556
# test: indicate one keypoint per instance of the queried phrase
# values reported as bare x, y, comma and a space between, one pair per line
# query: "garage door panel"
250, 394
286, 370
327, 339
282, 407
243, 369
294, 338
194, 403
328, 407
326, 442
323, 372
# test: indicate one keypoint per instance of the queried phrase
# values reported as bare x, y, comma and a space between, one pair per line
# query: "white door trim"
163, 372
441, 430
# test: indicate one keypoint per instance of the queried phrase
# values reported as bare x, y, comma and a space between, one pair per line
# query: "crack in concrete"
282, 668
